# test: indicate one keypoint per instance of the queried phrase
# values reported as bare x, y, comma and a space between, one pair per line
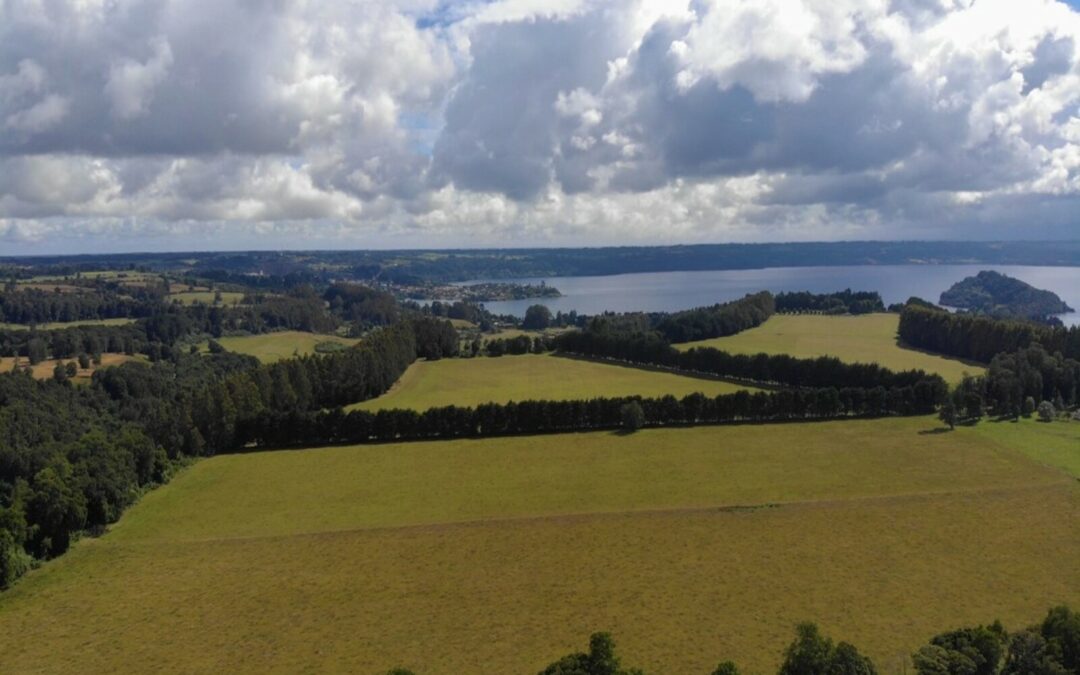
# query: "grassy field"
429, 384
869, 338
44, 369
68, 324
497, 556
205, 297
1056, 444
270, 347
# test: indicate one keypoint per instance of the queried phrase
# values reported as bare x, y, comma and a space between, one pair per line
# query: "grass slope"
270, 347
868, 338
468, 382
1056, 444
497, 556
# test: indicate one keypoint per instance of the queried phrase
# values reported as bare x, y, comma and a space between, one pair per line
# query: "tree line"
276, 428
718, 320
781, 369
841, 302
1051, 647
981, 338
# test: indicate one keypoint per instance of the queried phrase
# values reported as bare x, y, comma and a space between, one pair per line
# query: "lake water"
673, 291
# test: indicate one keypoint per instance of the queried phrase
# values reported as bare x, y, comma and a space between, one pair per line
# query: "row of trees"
981, 337
718, 320
1050, 648
298, 427
782, 369
841, 302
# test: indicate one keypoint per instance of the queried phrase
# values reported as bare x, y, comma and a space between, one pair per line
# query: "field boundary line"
733, 508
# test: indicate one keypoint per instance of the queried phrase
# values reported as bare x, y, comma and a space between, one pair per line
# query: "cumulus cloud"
191, 123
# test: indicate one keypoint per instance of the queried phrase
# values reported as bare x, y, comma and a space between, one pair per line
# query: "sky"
152, 125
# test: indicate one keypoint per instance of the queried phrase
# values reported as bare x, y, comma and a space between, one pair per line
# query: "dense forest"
72, 458
981, 338
36, 306
842, 302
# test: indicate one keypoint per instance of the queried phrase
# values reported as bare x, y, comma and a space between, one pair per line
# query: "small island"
999, 295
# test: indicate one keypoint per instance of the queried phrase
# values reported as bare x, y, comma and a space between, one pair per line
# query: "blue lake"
672, 291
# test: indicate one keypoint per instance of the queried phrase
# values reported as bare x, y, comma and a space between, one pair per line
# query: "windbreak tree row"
543, 417
781, 369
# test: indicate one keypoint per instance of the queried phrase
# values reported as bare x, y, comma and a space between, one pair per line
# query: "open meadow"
271, 347
496, 556
44, 369
206, 297
469, 382
867, 338
68, 324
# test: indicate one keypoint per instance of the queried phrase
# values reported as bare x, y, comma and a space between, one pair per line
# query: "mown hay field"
68, 324
867, 338
499, 555
43, 370
206, 297
271, 347
1055, 444
469, 382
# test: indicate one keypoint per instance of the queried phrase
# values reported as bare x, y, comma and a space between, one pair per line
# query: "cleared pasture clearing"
44, 369
1054, 444
271, 347
205, 297
68, 324
868, 338
884, 564
469, 382
447, 481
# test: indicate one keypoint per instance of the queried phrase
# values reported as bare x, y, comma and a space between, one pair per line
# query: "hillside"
494, 556
996, 294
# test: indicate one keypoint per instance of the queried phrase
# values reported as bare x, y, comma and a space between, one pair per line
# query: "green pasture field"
497, 556
469, 382
271, 347
867, 338
1055, 444
205, 297
68, 324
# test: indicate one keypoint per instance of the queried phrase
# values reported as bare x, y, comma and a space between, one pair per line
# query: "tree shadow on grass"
935, 431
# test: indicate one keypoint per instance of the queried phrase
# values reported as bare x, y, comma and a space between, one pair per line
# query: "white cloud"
529, 121
131, 83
